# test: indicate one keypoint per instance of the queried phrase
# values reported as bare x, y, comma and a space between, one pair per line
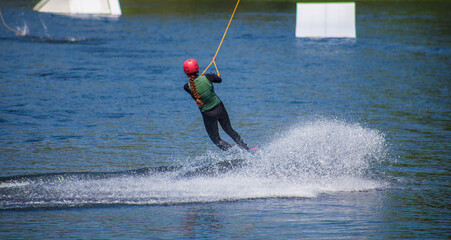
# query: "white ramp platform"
102, 7
325, 20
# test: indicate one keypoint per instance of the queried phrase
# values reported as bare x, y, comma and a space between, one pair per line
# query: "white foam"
13, 184
307, 160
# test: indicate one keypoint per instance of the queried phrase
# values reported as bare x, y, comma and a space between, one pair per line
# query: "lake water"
99, 140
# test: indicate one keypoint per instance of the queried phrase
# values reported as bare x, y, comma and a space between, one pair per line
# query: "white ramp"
325, 20
104, 7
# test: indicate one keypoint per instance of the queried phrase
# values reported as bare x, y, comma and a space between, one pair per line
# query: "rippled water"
98, 139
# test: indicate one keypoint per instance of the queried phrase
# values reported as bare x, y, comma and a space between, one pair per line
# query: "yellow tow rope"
214, 58
6, 25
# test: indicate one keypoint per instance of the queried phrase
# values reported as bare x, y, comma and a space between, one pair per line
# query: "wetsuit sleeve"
186, 87
213, 78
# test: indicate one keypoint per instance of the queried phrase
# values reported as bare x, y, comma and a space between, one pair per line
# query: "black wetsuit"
219, 114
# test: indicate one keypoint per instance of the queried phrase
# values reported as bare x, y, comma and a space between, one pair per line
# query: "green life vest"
206, 92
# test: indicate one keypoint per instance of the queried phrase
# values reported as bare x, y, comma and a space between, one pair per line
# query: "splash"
23, 31
307, 160
322, 150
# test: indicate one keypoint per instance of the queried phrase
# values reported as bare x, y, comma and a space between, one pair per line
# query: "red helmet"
190, 66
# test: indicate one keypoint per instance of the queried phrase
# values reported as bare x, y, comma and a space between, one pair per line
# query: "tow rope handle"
214, 58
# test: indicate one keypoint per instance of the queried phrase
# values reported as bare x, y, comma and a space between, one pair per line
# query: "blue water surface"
98, 139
